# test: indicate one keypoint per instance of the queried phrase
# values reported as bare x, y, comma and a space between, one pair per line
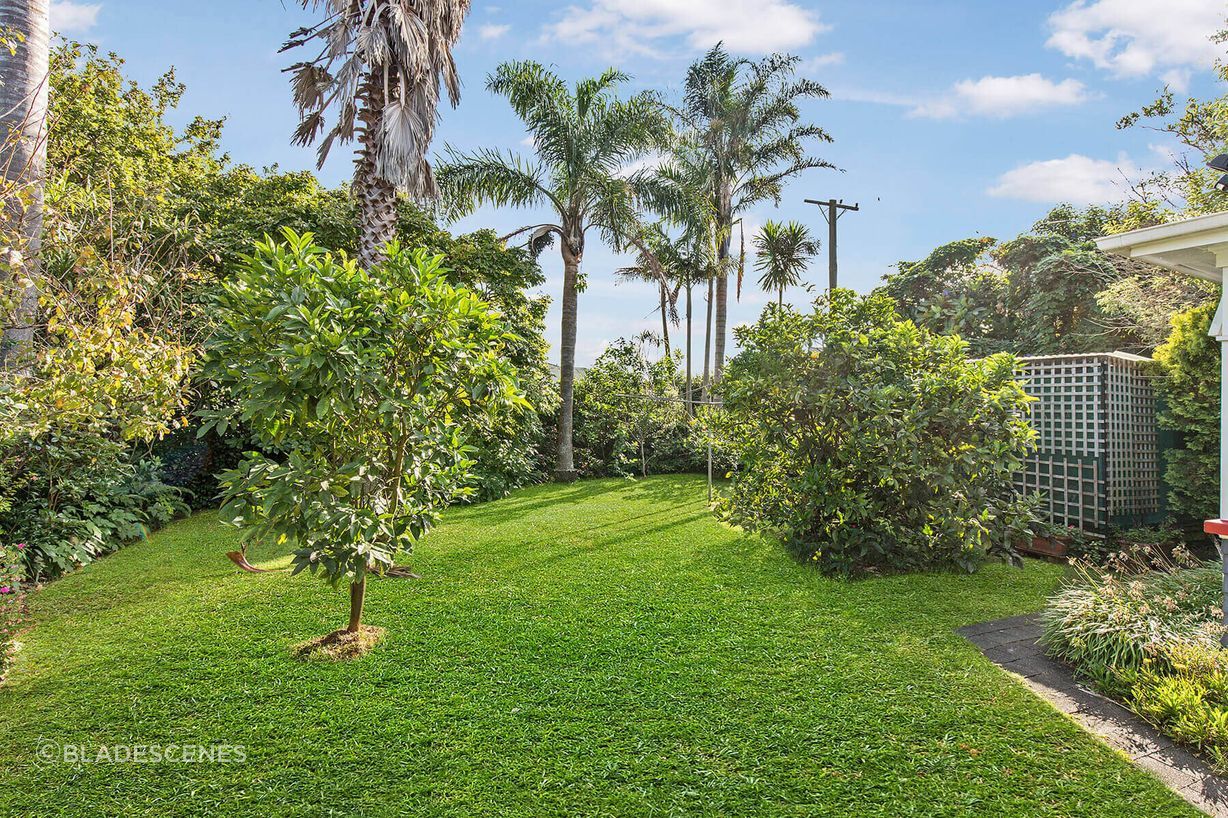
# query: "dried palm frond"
407, 46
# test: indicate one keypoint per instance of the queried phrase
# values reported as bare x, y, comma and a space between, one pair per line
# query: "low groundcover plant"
1152, 641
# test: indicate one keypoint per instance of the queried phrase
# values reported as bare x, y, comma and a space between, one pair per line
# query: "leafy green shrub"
106, 373
1185, 693
360, 388
12, 601
866, 442
1190, 362
92, 499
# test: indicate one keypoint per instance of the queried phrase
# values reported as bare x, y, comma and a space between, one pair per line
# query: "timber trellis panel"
1097, 458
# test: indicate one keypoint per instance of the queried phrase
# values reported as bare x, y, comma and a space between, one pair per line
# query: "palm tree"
744, 118
379, 69
784, 250
583, 140
698, 265
26, 32
661, 264
682, 180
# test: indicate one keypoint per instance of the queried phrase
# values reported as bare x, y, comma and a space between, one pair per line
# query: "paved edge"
1012, 645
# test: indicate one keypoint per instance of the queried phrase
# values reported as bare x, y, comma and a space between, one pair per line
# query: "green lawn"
600, 649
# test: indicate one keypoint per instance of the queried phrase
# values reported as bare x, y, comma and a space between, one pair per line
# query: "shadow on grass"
534, 498
625, 535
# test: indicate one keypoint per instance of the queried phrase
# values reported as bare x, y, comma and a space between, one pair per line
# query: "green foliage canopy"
867, 442
1047, 291
1190, 362
630, 416
361, 387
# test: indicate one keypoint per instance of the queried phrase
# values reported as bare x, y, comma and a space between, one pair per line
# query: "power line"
834, 210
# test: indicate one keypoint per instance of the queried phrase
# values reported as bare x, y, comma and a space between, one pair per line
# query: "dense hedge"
12, 600
1190, 386
629, 415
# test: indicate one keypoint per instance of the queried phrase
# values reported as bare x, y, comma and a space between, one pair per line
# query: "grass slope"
600, 649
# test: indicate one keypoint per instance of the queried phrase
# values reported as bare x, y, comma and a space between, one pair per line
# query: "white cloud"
1134, 38
813, 64
492, 31
1076, 179
1002, 97
1178, 79
73, 18
745, 26
872, 96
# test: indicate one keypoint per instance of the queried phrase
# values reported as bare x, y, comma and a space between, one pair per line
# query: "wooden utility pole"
835, 209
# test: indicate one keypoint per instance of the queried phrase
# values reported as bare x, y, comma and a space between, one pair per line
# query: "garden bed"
1151, 641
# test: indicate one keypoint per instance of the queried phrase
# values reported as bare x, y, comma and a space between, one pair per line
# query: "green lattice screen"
1097, 460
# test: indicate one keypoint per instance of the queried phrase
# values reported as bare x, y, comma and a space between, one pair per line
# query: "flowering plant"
12, 602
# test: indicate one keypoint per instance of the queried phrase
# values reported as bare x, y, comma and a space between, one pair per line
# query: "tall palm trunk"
707, 342
725, 217
565, 470
690, 395
722, 318
665, 317
23, 156
376, 196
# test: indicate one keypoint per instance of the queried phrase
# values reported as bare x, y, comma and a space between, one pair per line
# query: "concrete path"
1012, 644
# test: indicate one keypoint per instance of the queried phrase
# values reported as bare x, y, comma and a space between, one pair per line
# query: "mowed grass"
600, 649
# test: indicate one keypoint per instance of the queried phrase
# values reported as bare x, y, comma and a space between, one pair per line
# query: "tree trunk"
724, 223
376, 197
23, 157
664, 317
358, 594
707, 342
690, 397
565, 470
722, 312
780, 298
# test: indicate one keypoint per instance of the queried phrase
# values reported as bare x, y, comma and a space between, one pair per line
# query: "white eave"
1196, 247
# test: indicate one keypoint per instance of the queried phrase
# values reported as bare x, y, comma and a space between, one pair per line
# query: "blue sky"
951, 118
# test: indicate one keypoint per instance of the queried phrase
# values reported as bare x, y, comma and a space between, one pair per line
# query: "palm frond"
489, 176
744, 128
783, 251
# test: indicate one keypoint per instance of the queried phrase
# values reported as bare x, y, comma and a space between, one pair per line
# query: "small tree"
360, 387
867, 442
784, 250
